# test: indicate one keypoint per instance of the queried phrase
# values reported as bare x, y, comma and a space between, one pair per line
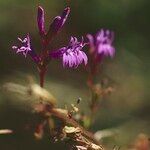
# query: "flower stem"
42, 74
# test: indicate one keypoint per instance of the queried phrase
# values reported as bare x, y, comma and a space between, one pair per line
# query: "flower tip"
14, 47
28, 35
56, 19
41, 20
88, 35
67, 9
40, 8
82, 39
40, 12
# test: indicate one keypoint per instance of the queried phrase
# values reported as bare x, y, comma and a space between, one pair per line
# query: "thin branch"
6, 131
59, 113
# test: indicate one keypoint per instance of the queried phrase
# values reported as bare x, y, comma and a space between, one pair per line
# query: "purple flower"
24, 47
102, 43
71, 55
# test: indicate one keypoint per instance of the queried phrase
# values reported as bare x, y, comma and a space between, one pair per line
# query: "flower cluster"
101, 43
71, 55
100, 47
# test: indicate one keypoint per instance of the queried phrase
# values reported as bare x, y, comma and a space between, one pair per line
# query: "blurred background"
126, 111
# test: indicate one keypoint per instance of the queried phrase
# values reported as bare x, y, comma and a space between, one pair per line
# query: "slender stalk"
42, 77
59, 112
43, 68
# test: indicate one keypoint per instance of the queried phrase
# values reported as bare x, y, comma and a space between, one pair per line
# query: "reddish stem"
42, 77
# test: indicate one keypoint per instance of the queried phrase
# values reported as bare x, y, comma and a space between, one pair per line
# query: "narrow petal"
85, 58
41, 20
64, 16
65, 60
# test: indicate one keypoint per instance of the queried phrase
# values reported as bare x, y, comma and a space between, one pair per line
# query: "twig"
6, 131
59, 113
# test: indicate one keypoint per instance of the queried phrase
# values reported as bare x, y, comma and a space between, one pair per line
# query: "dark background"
125, 110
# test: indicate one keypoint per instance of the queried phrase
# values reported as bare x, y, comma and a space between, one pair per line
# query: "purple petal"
64, 17
84, 57
65, 60
24, 47
41, 20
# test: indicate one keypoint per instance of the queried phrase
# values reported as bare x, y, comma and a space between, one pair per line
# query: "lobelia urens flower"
100, 47
72, 54
24, 47
101, 43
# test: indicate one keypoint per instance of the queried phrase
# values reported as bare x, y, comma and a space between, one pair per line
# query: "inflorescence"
71, 55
